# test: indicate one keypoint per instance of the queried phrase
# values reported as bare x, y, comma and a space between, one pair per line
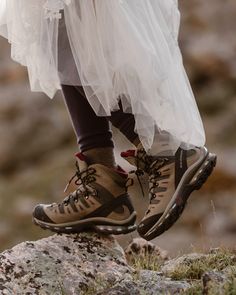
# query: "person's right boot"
101, 203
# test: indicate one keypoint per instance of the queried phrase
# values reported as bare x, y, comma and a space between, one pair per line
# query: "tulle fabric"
118, 50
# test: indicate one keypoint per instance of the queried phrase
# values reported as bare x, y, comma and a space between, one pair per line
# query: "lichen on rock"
62, 263
91, 264
85, 264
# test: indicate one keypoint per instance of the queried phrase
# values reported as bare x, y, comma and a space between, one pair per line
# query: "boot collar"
82, 161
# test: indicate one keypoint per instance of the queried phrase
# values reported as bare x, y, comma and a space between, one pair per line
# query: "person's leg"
94, 135
88, 137
125, 122
101, 201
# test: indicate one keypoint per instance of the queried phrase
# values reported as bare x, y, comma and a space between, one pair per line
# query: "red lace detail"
129, 153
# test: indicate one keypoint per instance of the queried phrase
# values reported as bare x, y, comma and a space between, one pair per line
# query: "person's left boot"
171, 181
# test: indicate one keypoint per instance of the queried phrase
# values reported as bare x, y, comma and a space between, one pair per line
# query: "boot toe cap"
40, 214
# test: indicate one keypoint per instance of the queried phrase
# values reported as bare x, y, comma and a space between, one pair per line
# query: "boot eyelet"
94, 193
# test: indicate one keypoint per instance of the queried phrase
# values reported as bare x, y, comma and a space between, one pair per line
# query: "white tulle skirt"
118, 50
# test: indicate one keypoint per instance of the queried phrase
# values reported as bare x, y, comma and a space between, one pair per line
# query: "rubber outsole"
105, 228
180, 203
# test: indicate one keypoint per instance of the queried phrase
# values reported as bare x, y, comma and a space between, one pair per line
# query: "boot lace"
146, 164
82, 179
155, 176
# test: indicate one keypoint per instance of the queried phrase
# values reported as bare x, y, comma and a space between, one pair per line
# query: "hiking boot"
100, 203
171, 181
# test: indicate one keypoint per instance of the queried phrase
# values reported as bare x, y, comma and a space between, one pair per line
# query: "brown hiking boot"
171, 181
101, 203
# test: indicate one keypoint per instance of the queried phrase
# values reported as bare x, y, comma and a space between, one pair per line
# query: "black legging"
93, 131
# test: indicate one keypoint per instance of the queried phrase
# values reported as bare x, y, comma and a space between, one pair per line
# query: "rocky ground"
89, 264
37, 142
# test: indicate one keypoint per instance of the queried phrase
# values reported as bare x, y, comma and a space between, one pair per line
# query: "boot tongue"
135, 157
82, 161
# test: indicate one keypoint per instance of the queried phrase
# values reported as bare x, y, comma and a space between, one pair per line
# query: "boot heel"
203, 172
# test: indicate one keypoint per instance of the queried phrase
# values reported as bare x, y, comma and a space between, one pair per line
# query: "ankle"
103, 155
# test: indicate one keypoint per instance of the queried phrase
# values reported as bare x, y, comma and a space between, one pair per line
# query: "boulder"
85, 263
62, 264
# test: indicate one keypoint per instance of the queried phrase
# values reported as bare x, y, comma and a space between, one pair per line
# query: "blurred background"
37, 143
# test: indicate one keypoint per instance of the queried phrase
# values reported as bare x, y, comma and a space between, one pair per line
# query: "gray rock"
147, 282
125, 287
173, 265
78, 264
62, 264
212, 281
152, 283
144, 249
219, 282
